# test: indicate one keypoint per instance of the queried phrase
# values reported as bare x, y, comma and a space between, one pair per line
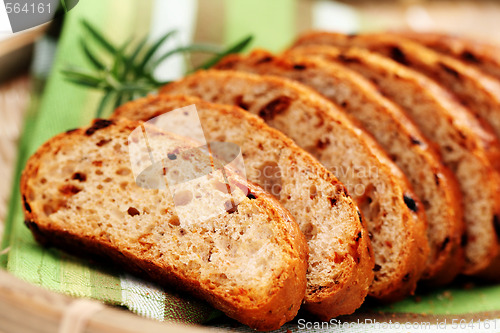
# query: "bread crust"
479, 54
282, 304
226, 86
443, 263
330, 300
480, 141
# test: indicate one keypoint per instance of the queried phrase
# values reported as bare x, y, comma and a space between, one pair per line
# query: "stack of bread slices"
372, 166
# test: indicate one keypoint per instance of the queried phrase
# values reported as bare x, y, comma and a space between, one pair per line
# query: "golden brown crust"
224, 86
329, 300
480, 141
267, 315
482, 55
387, 118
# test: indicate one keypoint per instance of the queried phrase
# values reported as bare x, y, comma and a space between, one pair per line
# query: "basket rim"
28, 308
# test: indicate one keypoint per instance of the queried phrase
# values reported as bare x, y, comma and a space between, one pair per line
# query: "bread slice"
395, 132
393, 212
80, 194
479, 54
476, 90
341, 259
465, 146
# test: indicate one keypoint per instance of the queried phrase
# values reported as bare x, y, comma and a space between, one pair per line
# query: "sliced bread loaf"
80, 194
393, 212
465, 146
340, 259
475, 89
482, 55
395, 132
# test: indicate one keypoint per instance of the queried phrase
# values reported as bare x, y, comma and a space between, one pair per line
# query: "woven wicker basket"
25, 308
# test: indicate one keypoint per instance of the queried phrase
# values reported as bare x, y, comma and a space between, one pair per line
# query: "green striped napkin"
63, 106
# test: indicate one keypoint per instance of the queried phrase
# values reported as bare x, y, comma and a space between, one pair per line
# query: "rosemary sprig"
124, 73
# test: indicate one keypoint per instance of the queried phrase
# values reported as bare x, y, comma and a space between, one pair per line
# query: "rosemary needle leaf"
130, 60
82, 77
91, 56
152, 50
137, 50
190, 48
236, 48
99, 37
104, 102
119, 62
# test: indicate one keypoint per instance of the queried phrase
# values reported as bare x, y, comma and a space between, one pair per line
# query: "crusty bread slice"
465, 146
80, 194
392, 210
395, 132
475, 89
479, 54
340, 259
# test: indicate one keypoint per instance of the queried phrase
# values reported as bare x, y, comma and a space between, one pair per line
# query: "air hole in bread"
102, 142
230, 206
410, 203
309, 230
251, 196
238, 100
123, 171
464, 240
108, 180
183, 198
369, 205
449, 70
43, 181
275, 107
132, 211
338, 258
444, 244
299, 67
270, 178
467, 56
52, 206
69, 189
174, 220
79, 176
323, 143
397, 55
313, 191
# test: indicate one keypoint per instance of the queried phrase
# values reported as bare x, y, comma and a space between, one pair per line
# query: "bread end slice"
79, 194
